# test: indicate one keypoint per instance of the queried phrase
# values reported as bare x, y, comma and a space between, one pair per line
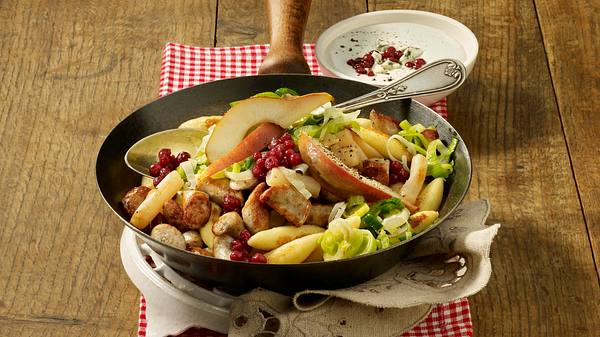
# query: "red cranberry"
289, 152
245, 235
164, 157
237, 255
237, 245
396, 166
280, 148
289, 144
174, 161
231, 203
399, 54
271, 162
256, 156
164, 171
350, 62
368, 60
409, 64
258, 258
158, 179
361, 70
420, 62
295, 159
390, 50
286, 137
182, 156
371, 73
259, 172
398, 174
155, 169
393, 59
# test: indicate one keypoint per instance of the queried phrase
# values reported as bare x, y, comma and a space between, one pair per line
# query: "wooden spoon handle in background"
287, 21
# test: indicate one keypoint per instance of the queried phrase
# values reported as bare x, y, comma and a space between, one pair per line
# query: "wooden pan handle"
287, 21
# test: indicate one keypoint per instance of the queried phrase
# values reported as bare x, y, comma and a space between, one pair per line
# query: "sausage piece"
384, 123
196, 209
132, 199
377, 169
222, 247
173, 214
169, 235
229, 223
288, 202
255, 214
192, 239
217, 189
319, 215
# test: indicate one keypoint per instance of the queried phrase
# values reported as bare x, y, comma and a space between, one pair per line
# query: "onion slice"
337, 211
245, 175
301, 168
410, 146
188, 169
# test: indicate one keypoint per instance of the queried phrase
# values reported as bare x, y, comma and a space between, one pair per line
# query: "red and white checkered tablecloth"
185, 66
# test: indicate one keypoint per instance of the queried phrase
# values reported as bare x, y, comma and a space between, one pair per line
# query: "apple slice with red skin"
254, 142
336, 177
242, 117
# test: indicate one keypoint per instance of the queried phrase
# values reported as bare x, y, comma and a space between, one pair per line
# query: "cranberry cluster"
281, 153
165, 164
362, 65
398, 174
241, 250
231, 204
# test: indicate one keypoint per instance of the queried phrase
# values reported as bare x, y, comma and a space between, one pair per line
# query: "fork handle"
436, 77
287, 22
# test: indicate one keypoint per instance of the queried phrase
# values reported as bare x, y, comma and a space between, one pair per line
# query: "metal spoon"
436, 77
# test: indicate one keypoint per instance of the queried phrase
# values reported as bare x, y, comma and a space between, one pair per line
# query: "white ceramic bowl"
437, 35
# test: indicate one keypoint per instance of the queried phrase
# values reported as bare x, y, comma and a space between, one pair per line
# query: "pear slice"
242, 117
337, 178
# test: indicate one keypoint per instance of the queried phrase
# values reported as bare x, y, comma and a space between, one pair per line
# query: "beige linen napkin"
450, 262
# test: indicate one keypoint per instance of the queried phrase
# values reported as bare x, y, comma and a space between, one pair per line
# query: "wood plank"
570, 31
70, 72
234, 29
544, 282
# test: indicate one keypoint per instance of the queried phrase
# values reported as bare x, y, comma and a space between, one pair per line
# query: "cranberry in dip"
386, 58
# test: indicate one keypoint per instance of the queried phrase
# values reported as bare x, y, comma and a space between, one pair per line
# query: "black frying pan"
115, 178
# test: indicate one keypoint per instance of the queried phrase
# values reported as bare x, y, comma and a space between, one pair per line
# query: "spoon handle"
439, 76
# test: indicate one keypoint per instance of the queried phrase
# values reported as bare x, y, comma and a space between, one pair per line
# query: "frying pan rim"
145, 236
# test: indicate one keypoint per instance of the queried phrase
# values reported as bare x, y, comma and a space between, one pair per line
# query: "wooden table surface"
70, 70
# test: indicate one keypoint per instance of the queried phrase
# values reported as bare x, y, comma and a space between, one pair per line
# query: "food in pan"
284, 178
